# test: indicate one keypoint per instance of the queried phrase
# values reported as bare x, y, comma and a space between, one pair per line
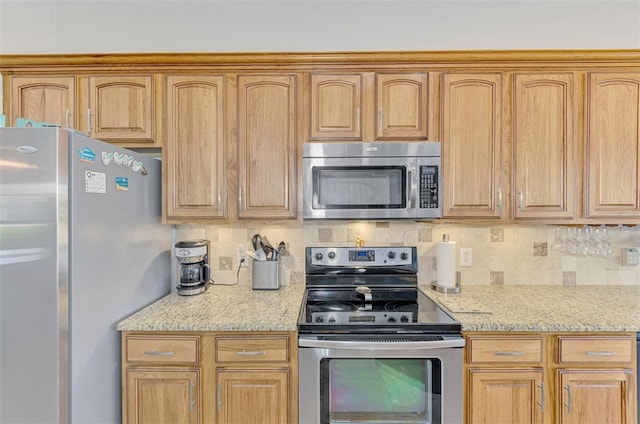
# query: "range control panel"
364, 256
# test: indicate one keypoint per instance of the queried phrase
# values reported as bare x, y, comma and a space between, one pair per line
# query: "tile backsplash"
501, 255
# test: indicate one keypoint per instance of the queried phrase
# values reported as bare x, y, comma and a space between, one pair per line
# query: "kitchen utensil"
261, 255
282, 247
252, 255
268, 248
256, 242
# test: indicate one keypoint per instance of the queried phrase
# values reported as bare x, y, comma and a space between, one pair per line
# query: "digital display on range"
362, 255
366, 318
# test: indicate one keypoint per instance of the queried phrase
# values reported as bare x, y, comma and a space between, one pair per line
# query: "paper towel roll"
446, 263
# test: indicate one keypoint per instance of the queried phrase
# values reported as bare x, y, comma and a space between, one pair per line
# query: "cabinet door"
48, 99
267, 146
162, 396
595, 397
253, 396
122, 109
506, 396
613, 145
195, 147
471, 145
336, 107
402, 106
544, 118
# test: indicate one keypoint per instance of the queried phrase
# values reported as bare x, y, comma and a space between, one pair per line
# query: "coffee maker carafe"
193, 256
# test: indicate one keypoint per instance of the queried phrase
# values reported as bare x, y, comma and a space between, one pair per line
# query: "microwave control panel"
428, 187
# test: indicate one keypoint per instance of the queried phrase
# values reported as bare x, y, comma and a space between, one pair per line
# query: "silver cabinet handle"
66, 118
219, 397
521, 195
159, 353
239, 200
358, 118
89, 120
541, 403
500, 199
599, 353
191, 400
252, 353
569, 403
511, 353
409, 189
219, 199
380, 118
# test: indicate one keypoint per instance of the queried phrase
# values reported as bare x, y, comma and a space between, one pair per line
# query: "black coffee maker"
193, 256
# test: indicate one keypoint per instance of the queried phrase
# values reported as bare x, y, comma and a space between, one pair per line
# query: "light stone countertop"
222, 308
543, 308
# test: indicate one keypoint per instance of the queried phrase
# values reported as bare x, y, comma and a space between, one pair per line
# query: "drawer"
600, 349
505, 349
252, 349
167, 349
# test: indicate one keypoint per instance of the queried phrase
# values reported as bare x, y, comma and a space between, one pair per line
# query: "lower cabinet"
208, 377
550, 378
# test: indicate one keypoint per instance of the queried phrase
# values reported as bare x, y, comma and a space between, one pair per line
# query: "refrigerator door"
33, 276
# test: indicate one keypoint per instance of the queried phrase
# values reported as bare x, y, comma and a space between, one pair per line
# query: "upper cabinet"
613, 145
43, 98
267, 145
370, 107
471, 145
544, 117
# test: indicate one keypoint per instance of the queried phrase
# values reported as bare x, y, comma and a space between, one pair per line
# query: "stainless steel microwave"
377, 181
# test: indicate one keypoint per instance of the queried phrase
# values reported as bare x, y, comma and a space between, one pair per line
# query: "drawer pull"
511, 353
252, 353
599, 353
157, 353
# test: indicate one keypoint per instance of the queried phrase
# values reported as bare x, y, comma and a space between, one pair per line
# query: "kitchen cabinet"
471, 111
122, 109
550, 377
613, 145
195, 153
256, 378
371, 106
43, 98
544, 116
161, 379
267, 145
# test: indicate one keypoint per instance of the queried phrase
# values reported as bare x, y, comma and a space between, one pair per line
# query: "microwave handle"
411, 190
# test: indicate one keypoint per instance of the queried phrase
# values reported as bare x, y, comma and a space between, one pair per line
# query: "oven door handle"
380, 344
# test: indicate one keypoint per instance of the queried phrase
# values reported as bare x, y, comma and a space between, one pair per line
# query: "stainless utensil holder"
265, 275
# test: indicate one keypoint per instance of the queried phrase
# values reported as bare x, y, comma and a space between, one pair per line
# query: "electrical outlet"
466, 256
629, 256
242, 254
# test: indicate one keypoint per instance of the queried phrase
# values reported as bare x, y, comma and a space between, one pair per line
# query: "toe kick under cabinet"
226, 377
550, 378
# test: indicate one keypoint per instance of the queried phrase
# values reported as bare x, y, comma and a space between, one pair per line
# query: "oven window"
362, 187
380, 390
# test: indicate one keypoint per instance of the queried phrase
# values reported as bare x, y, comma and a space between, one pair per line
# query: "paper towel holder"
451, 290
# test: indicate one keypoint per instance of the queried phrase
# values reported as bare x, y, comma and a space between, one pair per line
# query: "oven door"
380, 380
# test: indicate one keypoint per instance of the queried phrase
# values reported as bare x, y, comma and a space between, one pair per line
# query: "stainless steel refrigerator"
81, 247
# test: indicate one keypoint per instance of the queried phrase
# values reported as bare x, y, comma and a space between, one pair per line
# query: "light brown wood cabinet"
553, 378
371, 106
613, 145
472, 151
43, 98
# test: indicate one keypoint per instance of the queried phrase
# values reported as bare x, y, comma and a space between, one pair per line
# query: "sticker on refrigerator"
87, 155
122, 184
95, 182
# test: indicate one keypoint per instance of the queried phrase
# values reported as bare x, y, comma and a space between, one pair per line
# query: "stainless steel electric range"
372, 347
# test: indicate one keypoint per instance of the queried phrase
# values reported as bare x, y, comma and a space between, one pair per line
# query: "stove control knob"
404, 318
319, 256
391, 254
332, 320
404, 256
332, 255
319, 319
391, 319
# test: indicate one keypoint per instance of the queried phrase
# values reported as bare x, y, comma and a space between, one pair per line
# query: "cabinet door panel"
505, 396
253, 396
162, 396
544, 145
613, 145
122, 108
402, 106
598, 397
195, 148
267, 146
44, 99
336, 107
471, 145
